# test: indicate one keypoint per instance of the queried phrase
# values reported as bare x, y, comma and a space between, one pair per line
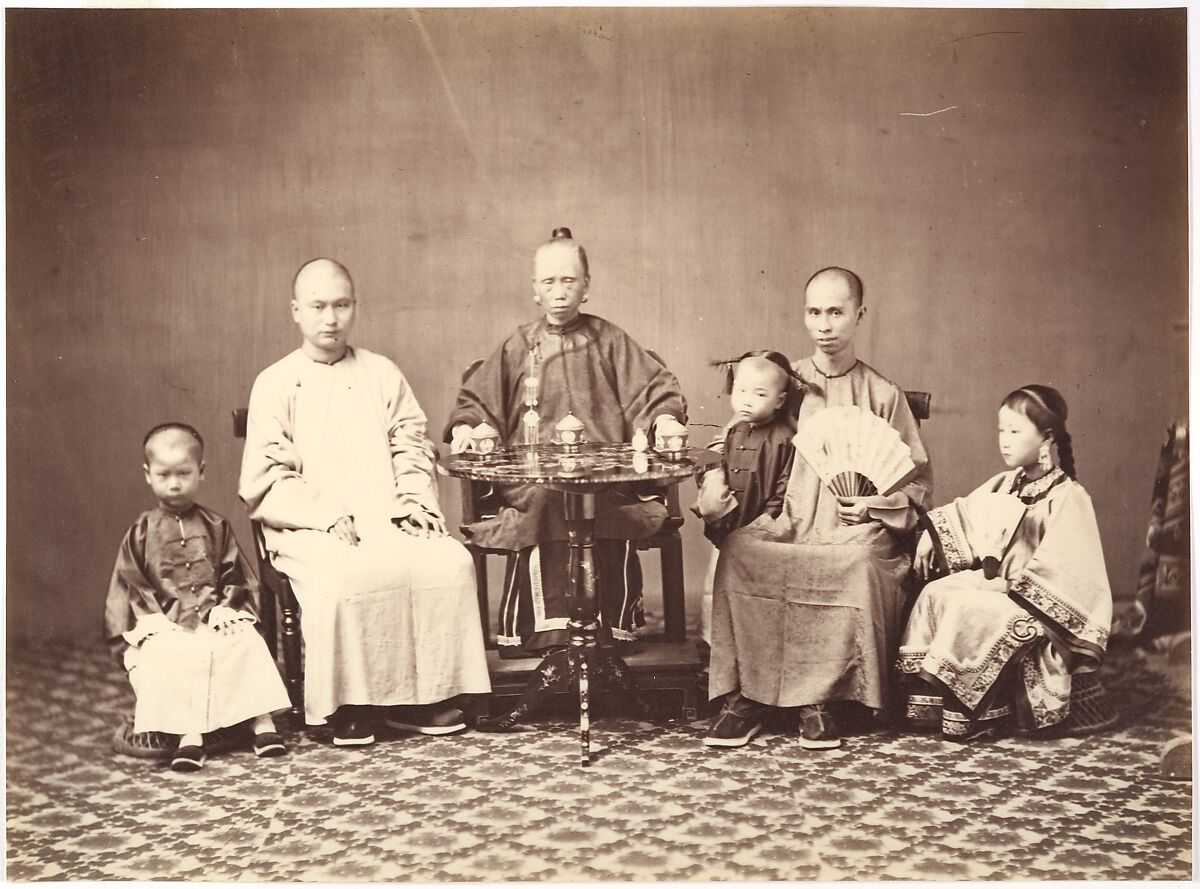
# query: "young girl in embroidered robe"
180, 613
1026, 603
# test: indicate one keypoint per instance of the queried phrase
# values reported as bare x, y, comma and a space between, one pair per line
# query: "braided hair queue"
1047, 410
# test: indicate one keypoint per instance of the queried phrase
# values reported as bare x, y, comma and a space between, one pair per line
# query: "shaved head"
173, 436
323, 308
317, 276
837, 280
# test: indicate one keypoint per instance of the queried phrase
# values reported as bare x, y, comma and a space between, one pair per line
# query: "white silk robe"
393, 620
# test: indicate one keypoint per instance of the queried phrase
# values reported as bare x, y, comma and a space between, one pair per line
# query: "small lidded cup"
672, 436
570, 431
484, 438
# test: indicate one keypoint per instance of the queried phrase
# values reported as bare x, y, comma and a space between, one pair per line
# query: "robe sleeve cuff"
948, 539
715, 500
894, 511
409, 504
147, 625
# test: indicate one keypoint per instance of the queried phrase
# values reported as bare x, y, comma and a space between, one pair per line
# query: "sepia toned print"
1010, 190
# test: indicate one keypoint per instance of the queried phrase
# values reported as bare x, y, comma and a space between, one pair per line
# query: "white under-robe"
202, 679
393, 620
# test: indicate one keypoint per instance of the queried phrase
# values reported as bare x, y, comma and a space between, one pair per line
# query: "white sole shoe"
425, 729
353, 742
740, 741
820, 745
188, 763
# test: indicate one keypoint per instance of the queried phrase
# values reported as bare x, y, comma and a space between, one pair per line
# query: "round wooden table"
579, 472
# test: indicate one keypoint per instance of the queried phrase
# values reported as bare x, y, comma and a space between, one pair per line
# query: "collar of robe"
813, 362
172, 514
1030, 492
337, 360
572, 325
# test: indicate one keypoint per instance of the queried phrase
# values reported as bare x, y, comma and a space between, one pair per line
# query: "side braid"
1066, 454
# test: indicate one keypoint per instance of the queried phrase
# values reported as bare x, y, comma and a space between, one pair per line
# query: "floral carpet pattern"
655, 804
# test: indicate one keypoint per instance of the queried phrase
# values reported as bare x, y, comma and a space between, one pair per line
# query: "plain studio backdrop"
169, 170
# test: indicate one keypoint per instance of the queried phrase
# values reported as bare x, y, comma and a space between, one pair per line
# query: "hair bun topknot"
561, 234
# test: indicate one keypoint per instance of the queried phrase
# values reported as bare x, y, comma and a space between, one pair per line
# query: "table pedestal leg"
553, 674
582, 661
581, 599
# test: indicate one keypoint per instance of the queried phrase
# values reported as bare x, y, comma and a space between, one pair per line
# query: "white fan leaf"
994, 519
850, 439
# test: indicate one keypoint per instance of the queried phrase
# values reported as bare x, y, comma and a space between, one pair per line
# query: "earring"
585, 299
1044, 459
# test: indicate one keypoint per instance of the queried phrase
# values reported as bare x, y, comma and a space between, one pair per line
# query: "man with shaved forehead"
337, 467
807, 607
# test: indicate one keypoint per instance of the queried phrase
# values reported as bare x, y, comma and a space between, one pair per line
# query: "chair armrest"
479, 502
674, 519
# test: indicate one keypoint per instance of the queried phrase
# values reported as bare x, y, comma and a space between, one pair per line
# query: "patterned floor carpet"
655, 805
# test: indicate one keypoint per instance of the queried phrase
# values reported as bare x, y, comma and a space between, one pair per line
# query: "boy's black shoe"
188, 759
730, 730
426, 719
737, 723
353, 727
269, 744
818, 730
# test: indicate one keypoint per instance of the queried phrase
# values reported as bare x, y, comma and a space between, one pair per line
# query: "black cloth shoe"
269, 744
818, 730
353, 727
737, 723
426, 719
188, 759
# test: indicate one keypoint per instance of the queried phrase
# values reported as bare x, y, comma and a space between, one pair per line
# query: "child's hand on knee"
226, 620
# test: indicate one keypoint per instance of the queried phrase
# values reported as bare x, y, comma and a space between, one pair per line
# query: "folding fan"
855, 453
994, 519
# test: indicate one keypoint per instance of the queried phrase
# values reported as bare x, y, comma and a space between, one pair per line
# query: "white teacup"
484, 438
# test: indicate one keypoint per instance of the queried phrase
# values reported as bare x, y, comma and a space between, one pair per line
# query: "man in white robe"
337, 467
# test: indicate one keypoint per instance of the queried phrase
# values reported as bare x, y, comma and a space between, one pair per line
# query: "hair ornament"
729, 365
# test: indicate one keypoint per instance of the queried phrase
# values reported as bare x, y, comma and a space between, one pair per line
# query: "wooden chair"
277, 595
918, 403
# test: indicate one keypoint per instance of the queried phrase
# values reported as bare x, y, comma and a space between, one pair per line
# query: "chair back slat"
918, 403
